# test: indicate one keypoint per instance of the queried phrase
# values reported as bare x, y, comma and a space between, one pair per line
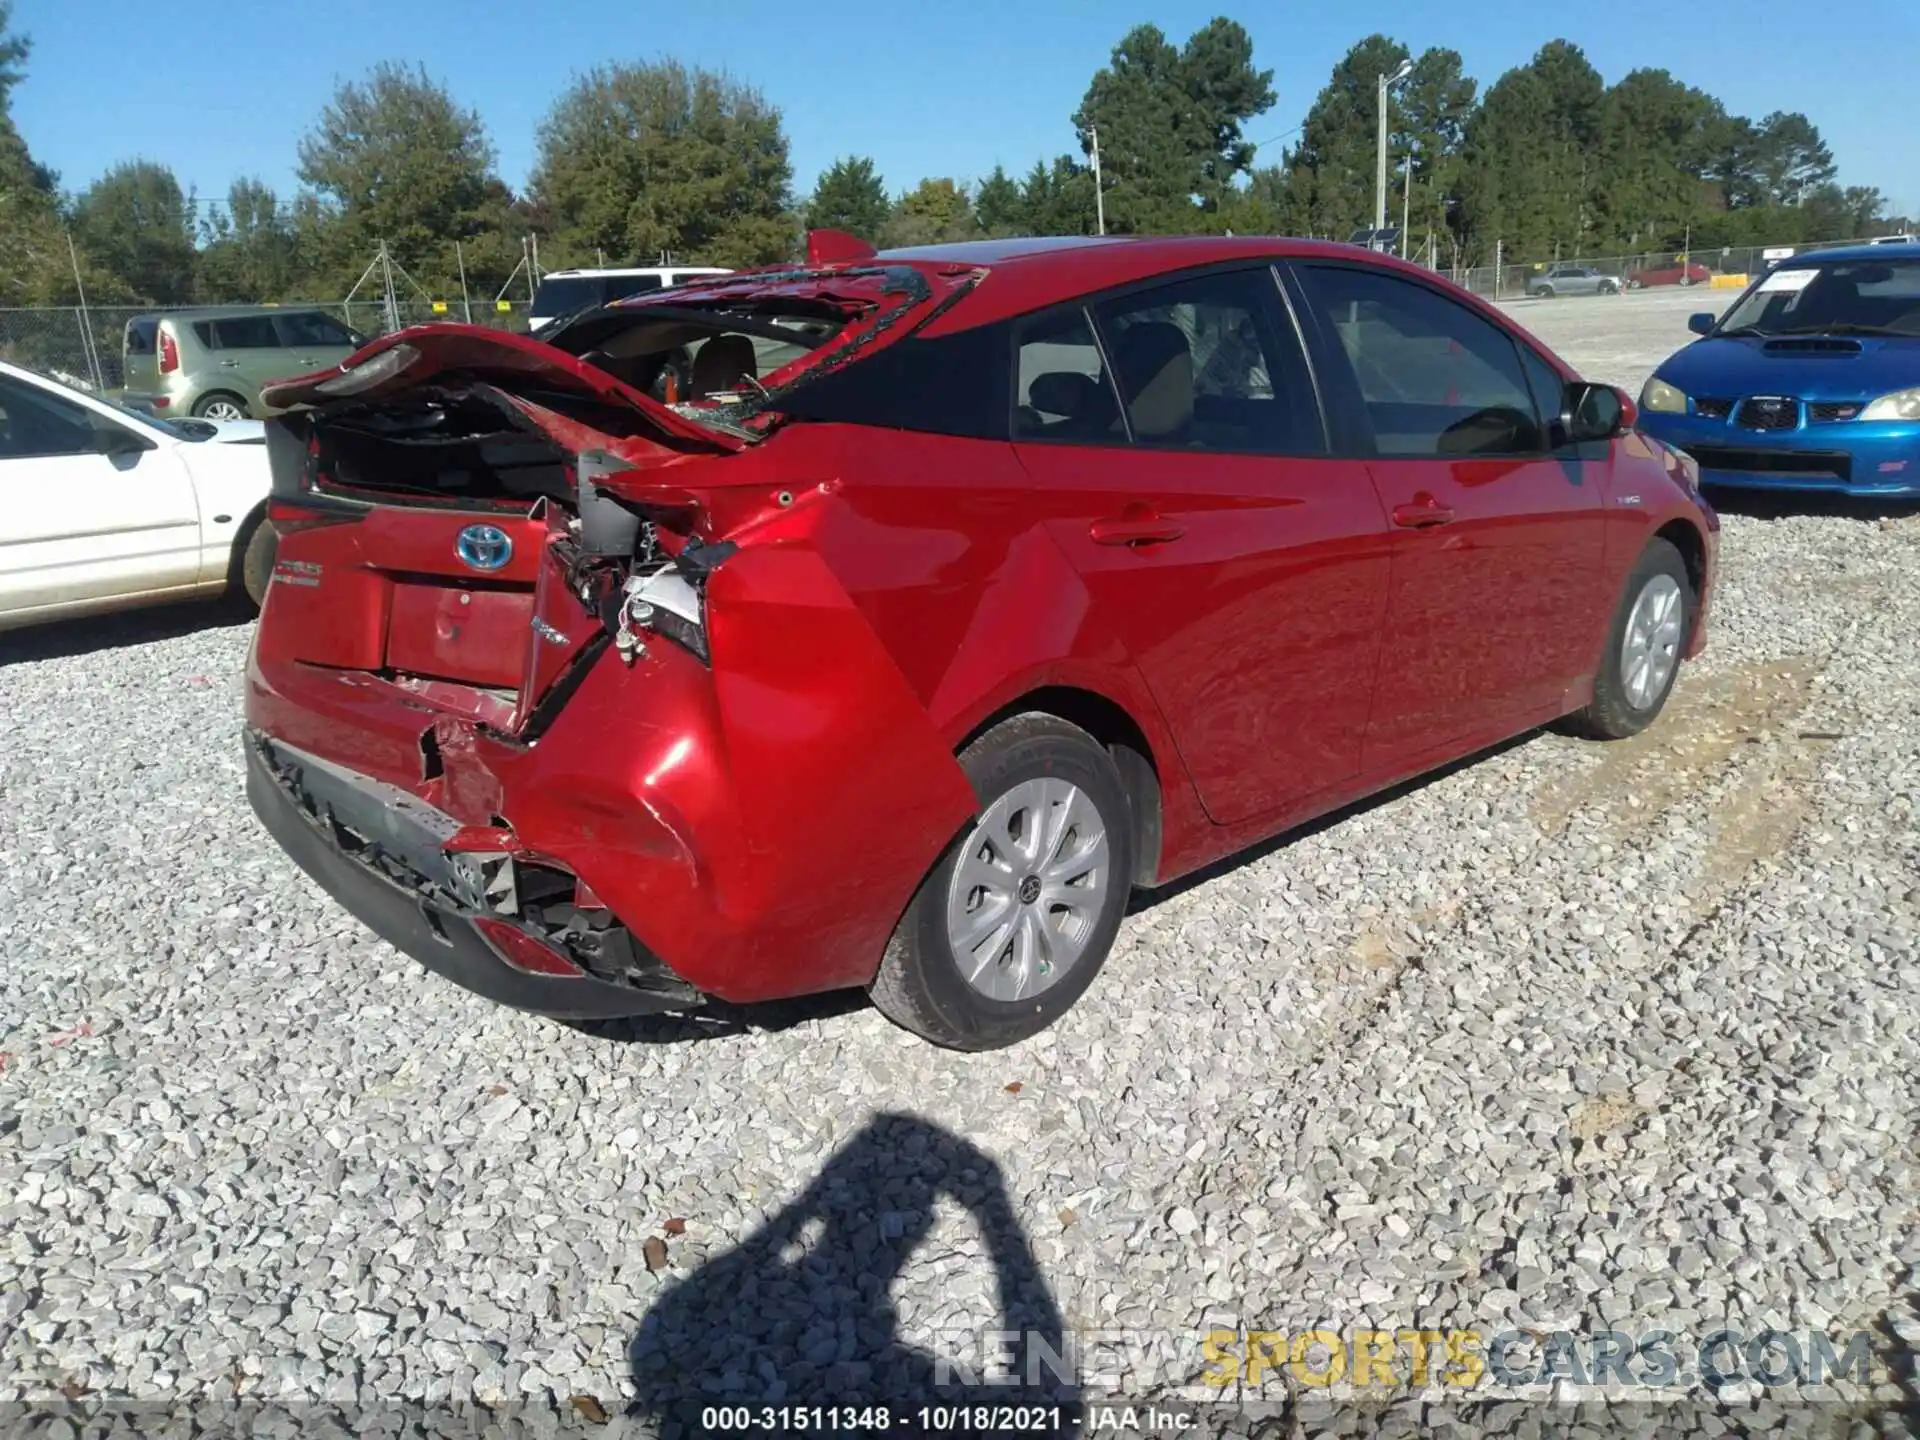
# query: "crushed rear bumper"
378, 851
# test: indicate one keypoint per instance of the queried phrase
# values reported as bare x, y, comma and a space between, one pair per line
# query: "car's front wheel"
1010, 928
1545, 292
1644, 646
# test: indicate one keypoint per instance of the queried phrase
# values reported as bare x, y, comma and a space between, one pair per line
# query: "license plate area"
473, 634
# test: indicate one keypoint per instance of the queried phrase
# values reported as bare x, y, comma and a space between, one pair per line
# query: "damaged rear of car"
554, 689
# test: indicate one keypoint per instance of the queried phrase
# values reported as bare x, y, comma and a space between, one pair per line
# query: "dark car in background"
1811, 381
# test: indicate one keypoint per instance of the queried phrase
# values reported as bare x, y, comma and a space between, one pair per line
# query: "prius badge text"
483, 547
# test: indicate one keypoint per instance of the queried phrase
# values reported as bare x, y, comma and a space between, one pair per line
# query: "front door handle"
1425, 511
1135, 529
229, 364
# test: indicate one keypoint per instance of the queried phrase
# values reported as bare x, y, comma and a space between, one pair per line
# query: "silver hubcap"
1652, 645
222, 410
1027, 891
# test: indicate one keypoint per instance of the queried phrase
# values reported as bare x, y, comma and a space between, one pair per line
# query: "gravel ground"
1572, 1036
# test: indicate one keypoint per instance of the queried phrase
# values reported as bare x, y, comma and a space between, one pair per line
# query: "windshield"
178, 429
1848, 297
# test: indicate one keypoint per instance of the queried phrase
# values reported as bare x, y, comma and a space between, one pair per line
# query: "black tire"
1610, 288
920, 986
1545, 292
1686, 282
1612, 716
253, 553
212, 398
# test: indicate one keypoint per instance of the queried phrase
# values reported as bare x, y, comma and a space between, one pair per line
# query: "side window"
1549, 390
305, 327
1060, 387
245, 332
203, 332
35, 424
618, 287
1435, 378
1207, 364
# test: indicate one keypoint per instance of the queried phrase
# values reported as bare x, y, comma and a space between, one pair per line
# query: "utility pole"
1099, 200
1406, 201
466, 305
1380, 175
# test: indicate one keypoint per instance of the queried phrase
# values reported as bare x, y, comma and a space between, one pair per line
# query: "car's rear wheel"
220, 406
1686, 280
1545, 292
1644, 646
1010, 928
1610, 287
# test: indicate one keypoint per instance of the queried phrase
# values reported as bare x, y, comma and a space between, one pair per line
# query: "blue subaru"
1811, 381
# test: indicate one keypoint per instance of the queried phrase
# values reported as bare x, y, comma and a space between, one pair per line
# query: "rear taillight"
169, 354
288, 518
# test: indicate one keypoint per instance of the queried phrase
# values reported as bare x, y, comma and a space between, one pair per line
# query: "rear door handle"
1421, 514
229, 364
1146, 529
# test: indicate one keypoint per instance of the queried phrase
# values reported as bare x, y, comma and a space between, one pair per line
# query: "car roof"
228, 312
1033, 273
1879, 254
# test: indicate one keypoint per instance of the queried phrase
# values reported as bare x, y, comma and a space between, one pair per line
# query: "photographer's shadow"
800, 1314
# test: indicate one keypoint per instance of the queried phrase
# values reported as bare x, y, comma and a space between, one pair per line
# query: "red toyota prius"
886, 620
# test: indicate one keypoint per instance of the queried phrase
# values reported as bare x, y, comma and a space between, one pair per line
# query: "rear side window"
243, 332
140, 336
1434, 378
618, 287
952, 385
1061, 390
566, 295
307, 327
1211, 363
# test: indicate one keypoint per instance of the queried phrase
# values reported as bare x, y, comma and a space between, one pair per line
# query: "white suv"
562, 292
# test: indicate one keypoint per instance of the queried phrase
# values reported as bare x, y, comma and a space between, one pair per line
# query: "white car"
102, 507
562, 292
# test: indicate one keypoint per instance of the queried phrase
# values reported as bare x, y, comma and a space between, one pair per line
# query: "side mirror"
116, 440
1596, 412
1702, 323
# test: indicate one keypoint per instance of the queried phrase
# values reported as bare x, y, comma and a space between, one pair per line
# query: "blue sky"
924, 90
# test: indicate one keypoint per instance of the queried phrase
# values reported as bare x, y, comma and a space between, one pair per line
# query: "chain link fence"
1718, 267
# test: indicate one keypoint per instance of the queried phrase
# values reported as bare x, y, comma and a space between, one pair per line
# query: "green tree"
1788, 159
998, 206
1169, 120
1057, 198
850, 196
637, 160
933, 211
395, 158
1658, 142
136, 223
247, 249
1331, 173
1531, 164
